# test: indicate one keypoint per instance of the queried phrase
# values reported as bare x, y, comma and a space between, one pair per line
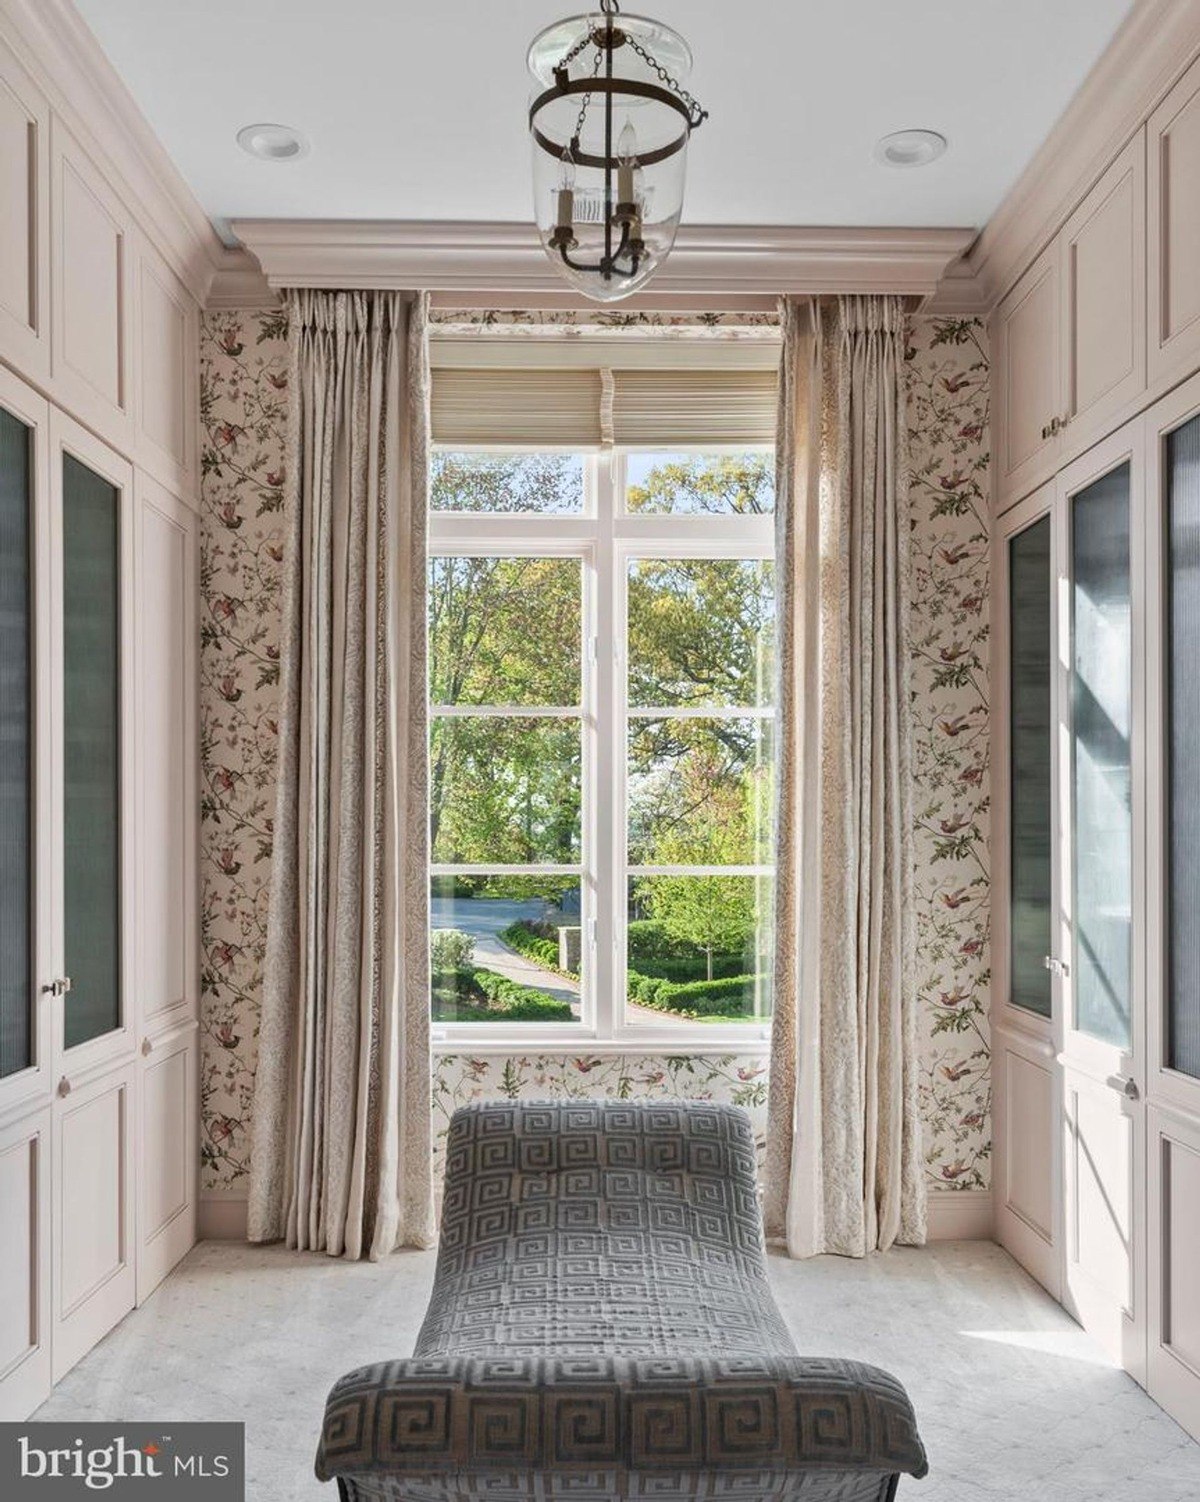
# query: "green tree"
507, 631
723, 484
716, 914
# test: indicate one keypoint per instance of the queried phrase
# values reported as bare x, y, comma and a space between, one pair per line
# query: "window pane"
91, 752
1029, 755
504, 790
698, 949
504, 631
700, 792
701, 632
533, 484
1102, 716
1183, 742
701, 484
16, 704
505, 948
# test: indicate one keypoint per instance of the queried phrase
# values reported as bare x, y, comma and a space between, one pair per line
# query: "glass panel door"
1182, 649
91, 751
1030, 745
16, 745
1101, 792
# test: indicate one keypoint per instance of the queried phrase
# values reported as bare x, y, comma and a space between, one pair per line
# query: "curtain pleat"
341, 1139
843, 1149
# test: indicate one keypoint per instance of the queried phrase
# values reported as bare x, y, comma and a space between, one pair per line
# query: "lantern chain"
697, 112
584, 106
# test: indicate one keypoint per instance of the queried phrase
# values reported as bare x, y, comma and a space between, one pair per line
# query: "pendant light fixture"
610, 122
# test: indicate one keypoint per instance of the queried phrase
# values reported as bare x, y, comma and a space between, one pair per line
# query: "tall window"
601, 629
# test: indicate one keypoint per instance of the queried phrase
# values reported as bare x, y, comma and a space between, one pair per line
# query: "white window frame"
606, 539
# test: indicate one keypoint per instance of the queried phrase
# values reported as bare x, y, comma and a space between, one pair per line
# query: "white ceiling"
415, 109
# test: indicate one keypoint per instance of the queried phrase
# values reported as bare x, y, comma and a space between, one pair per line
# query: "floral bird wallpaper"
244, 374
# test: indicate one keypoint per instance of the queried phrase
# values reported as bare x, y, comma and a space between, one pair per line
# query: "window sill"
754, 1044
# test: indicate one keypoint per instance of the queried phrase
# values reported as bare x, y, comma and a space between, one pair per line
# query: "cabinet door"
92, 280
24, 218
1100, 928
167, 364
26, 802
1173, 879
1173, 187
1027, 1183
94, 1254
168, 1155
1103, 268
1028, 387
92, 517
166, 589
25, 1265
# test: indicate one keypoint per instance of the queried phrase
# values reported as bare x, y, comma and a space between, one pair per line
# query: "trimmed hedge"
525, 939
479, 995
729, 997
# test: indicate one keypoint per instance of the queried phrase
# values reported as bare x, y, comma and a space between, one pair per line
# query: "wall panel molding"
54, 44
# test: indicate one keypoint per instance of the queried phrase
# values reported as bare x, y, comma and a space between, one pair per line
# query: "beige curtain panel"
341, 1143
844, 1169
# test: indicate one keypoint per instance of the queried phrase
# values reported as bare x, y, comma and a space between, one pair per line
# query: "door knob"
58, 987
1124, 1084
147, 1047
64, 1086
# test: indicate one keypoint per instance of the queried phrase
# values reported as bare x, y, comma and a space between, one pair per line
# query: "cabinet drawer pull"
147, 1047
58, 987
64, 1086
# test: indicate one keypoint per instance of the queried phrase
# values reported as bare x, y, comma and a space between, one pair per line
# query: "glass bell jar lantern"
610, 121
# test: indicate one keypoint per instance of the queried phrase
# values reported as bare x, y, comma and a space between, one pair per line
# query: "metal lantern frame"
624, 247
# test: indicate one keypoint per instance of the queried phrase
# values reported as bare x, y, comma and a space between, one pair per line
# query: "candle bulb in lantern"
565, 216
626, 162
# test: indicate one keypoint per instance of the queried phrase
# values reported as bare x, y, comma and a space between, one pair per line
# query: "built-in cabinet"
1173, 220
1096, 833
98, 746
1069, 340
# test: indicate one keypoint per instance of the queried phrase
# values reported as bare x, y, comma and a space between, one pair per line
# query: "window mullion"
603, 790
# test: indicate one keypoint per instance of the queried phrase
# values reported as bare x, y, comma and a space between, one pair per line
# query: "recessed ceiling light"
272, 143
910, 148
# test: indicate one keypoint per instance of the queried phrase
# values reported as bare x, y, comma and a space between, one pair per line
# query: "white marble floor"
1013, 1400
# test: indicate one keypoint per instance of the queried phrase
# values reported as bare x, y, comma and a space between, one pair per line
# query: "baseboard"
960, 1215
954, 1215
221, 1220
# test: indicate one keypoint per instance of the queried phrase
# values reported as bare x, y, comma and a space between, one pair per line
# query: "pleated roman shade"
577, 406
521, 408
659, 408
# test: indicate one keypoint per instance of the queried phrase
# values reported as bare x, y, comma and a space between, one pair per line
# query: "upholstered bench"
602, 1327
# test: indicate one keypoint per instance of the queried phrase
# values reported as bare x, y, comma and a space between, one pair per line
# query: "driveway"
485, 918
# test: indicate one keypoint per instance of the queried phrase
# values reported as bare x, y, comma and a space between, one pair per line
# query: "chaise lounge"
602, 1327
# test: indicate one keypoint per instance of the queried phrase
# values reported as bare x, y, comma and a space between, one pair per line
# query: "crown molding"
1154, 45
56, 47
727, 261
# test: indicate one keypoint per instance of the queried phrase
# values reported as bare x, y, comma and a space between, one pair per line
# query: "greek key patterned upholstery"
602, 1327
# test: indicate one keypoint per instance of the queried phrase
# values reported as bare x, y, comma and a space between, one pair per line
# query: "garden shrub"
451, 949
532, 941
479, 995
729, 998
